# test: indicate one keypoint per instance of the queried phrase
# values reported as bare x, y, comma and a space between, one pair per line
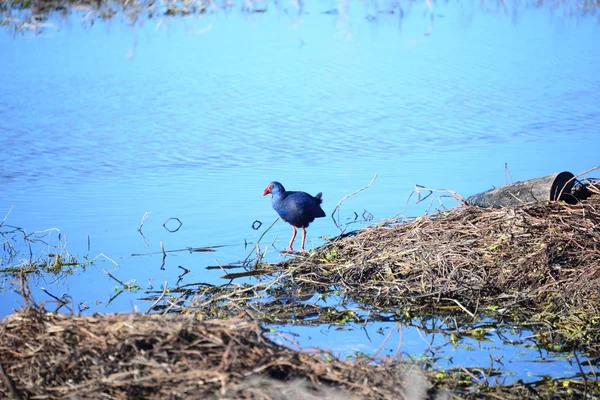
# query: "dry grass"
53, 356
139, 356
536, 265
532, 263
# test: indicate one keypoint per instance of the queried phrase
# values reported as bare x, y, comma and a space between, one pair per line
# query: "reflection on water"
505, 355
191, 118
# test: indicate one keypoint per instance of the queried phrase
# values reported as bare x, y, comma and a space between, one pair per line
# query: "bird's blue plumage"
297, 208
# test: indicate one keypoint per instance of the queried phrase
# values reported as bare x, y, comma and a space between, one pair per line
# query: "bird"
298, 209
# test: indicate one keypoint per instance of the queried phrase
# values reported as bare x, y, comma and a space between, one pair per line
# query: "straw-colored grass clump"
537, 262
158, 356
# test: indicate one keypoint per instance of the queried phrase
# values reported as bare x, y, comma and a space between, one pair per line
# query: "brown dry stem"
57, 356
532, 263
139, 356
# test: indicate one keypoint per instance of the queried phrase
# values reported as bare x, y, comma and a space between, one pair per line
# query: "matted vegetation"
117, 356
537, 263
141, 356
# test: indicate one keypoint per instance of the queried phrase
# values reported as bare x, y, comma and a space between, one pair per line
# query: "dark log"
546, 188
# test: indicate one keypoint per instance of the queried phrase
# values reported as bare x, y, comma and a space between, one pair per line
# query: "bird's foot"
290, 250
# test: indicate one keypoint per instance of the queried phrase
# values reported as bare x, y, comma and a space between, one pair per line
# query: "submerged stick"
164, 255
25, 291
58, 299
125, 286
256, 272
205, 249
459, 305
387, 337
256, 246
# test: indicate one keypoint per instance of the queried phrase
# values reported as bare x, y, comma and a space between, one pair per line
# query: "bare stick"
60, 300
583, 374
385, 340
6, 216
592, 185
400, 339
460, 305
146, 214
219, 265
118, 281
25, 292
466, 371
337, 207
259, 239
164, 253
451, 193
173, 303
107, 257
159, 299
205, 249
507, 174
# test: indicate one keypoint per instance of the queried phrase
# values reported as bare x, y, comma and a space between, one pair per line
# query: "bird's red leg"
303, 237
292, 241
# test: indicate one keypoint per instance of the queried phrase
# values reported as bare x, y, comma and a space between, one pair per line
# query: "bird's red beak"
267, 190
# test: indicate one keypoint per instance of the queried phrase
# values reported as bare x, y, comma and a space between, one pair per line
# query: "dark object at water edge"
547, 188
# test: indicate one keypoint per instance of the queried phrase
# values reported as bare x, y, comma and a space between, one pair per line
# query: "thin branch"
159, 299
256, 246
125, 286
6, 216
460, 305
146, 214
164, 255
337, 207
107, 257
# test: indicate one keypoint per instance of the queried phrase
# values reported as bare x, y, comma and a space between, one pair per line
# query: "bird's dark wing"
299, 208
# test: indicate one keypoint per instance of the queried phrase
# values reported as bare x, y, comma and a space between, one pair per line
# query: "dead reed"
120, 356
532, 264
57, 356
538, 263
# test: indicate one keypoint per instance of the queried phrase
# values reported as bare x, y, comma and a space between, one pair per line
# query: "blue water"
192, 118
518, 360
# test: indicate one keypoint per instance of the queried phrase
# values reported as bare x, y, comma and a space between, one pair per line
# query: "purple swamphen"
296, 208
